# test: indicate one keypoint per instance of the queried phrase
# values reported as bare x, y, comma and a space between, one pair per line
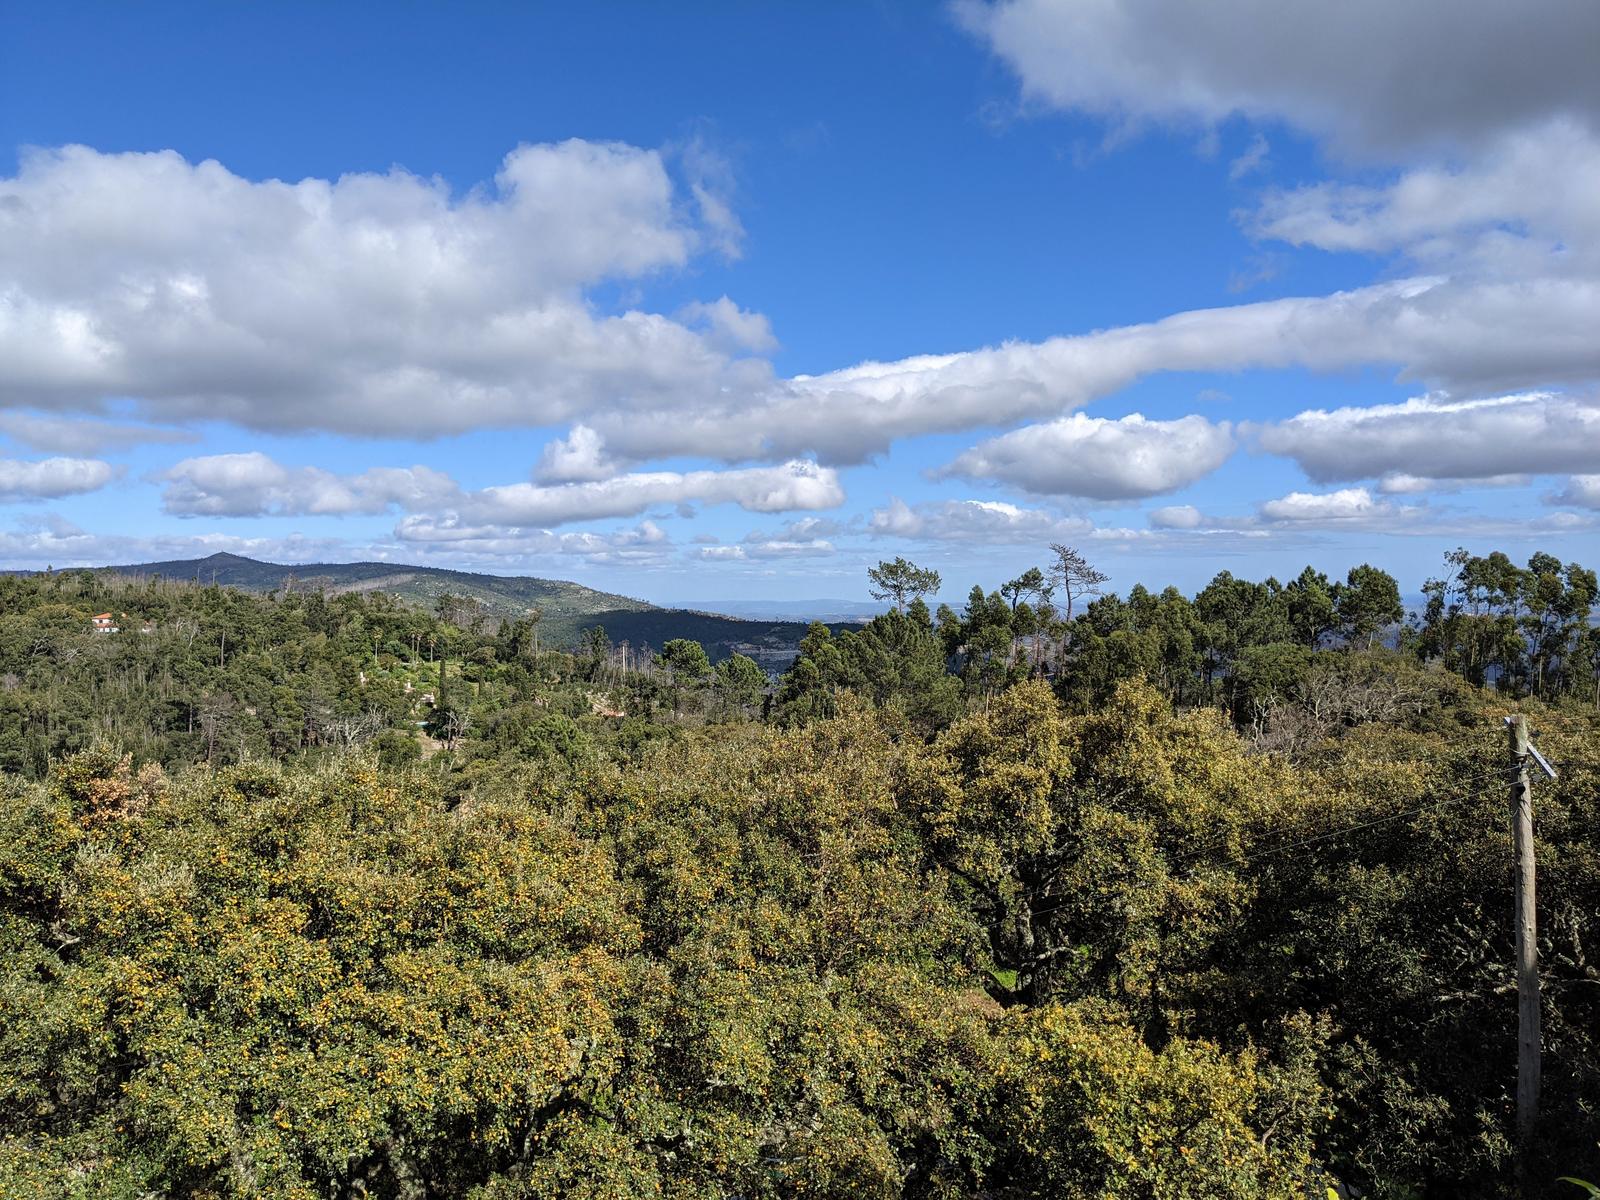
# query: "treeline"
216, 675
1269, 653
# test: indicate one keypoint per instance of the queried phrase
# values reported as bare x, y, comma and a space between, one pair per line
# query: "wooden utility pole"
1528, 1041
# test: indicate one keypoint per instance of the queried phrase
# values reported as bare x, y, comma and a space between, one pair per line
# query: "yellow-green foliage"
269, 983
1039, 954
1095, 1112
264, 979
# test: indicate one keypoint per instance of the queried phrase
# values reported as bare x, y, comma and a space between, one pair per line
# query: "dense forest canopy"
1163, 896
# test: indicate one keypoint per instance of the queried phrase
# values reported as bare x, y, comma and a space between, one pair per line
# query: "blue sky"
586, 291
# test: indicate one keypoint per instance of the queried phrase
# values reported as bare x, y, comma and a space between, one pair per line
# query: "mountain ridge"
567, 608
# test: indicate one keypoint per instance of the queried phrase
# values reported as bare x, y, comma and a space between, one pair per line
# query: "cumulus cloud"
1437, 438
1373, 77
385, 305
1581, 491
1101, 459
980, 521
51, 478
1525, 202
730, 327
1347, 505
377, 304
252, 485
580, 457
1467, 335
1177, 516
1491, 216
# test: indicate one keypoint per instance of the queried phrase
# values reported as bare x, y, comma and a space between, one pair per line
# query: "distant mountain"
791, 610
505, 596
568, 608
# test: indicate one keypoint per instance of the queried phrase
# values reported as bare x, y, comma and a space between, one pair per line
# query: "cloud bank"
1373, 77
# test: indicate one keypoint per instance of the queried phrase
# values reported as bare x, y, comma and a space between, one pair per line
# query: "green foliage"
896, 660
740, 685
901, 582
528, 733
1526, 630
686, 660
332, 896
1094, 1111
1367, 602
1311, 604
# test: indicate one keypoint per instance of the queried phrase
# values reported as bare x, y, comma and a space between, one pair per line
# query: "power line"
1471, 781
1335, 834
1259, 823
1330, 835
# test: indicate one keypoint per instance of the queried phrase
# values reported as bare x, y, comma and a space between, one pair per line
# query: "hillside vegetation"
1062, 894
565, 609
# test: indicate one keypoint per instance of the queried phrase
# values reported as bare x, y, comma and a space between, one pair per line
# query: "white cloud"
82, 435
1252, 159
580, 457
51, 478
1472, 335
1101, 459
644, 545
1302, 515
1371, 75
252, 484
788, 487
1581, 491
376, 304
1438, 438
759, 548
52, 540
1348, 505
383, 305
711, 184
1177, 516
803, 529
731, 328
991, 522
1525, 203
1492, 217
1415, 485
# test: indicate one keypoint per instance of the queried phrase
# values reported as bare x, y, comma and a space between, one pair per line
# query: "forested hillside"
564, 609
1064, 893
